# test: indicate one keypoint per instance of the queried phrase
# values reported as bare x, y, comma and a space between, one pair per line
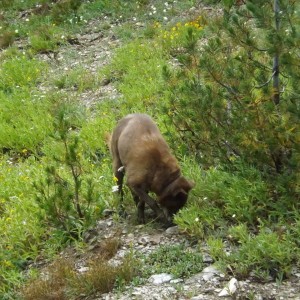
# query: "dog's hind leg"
119, 173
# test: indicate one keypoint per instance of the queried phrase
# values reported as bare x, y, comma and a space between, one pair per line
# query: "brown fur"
138, 146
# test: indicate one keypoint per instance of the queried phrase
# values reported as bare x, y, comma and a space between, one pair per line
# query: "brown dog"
138, 148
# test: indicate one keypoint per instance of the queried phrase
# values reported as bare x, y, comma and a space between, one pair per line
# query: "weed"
23, 113
109, 248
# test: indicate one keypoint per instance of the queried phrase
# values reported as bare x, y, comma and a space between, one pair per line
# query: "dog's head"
175, 196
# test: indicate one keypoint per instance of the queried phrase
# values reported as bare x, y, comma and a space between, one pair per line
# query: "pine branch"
266, 83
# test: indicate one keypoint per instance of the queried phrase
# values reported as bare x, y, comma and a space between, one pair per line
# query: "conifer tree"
241, 100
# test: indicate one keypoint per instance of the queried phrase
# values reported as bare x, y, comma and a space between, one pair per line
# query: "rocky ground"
94, 49
208, 284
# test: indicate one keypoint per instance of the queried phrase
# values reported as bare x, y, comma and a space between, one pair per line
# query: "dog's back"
138, 145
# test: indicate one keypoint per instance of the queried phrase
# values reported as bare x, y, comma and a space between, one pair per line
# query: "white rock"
230, 289
83, 269
177, 280
160, 278
199, 297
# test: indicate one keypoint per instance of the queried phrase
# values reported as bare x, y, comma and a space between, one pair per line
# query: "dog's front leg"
140, 205
144, 197
141, 212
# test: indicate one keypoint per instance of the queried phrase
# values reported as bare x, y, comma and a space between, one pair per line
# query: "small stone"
140, 226
207, 258
207, 274
130, 236
83, 269
155, 239
160, 278
143, 240
171, 290
230, 289
172, 230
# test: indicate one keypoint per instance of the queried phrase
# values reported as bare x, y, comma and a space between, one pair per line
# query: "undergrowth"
55, 167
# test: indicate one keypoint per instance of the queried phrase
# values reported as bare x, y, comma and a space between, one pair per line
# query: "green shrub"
263, 255
67, 195
62, 10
